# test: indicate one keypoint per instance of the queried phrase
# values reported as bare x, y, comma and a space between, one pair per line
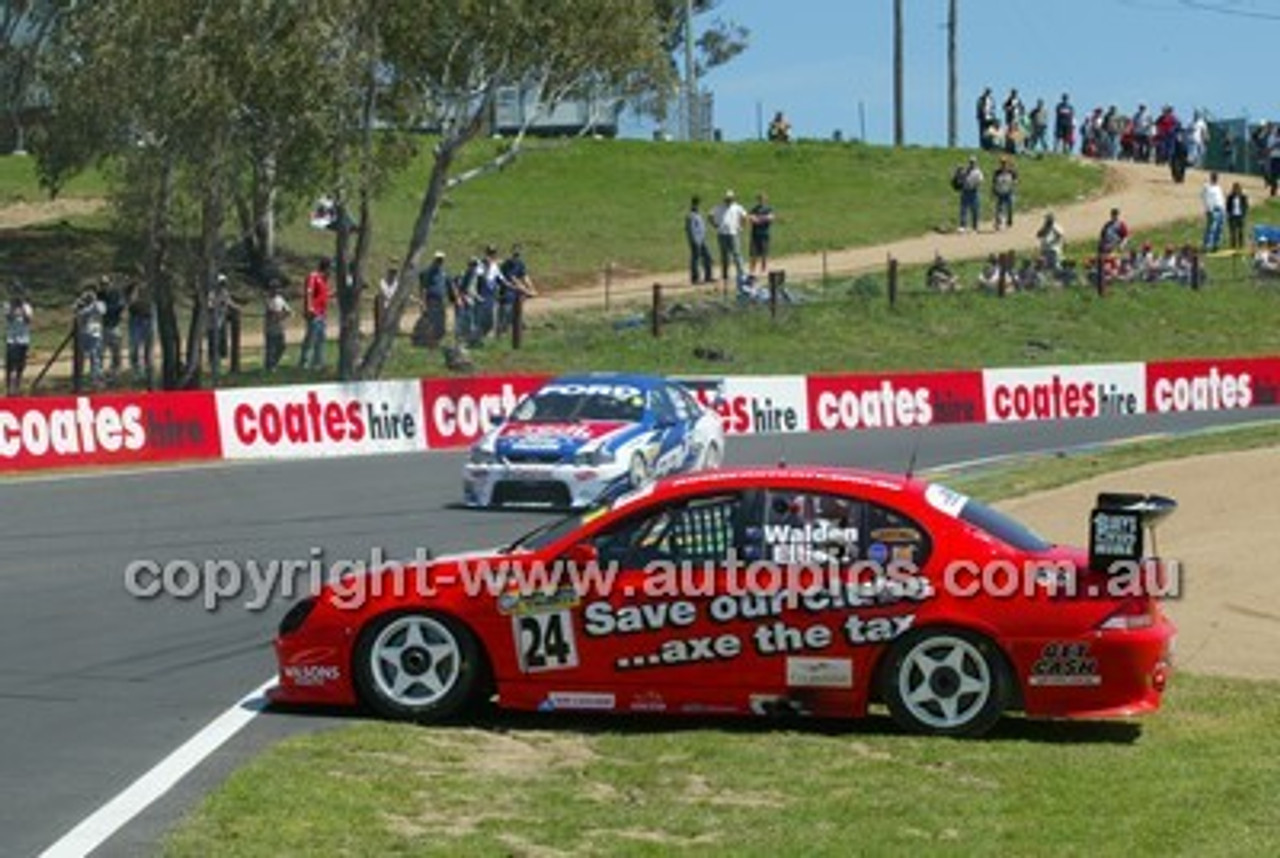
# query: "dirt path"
1224, 537
18, 215
1144, 194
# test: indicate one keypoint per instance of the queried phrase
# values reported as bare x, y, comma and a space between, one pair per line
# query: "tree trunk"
375, 357
348, 289
160, 281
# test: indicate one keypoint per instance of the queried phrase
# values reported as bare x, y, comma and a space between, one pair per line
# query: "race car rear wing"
1119, 524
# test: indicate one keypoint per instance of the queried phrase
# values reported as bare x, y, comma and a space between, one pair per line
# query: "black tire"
945, 682
417, 666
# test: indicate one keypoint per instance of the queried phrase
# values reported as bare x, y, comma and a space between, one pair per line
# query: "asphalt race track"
96, 685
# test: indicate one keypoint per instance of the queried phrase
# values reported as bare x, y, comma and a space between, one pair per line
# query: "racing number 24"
545, 642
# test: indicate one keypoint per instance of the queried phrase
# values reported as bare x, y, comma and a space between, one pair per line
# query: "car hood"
557, 440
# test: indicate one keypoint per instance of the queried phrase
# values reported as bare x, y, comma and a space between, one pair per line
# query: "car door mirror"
497, 418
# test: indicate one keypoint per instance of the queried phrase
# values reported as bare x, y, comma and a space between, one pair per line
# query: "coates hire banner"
1064, 392
755, 404
299, 422
460, 410
839, 403
51, 432
1212, 385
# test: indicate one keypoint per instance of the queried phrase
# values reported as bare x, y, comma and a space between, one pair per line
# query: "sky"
828, 64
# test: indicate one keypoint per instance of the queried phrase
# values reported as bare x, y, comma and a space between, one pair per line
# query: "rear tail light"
1135, 613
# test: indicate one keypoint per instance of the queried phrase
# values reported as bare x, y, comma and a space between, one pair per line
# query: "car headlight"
481, 456
593, 458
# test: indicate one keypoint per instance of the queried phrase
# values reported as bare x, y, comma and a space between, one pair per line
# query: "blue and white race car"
581, 438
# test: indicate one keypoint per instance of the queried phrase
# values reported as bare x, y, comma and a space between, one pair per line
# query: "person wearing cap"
433, 287
17, 340
729, 218
970, 186
315, 307
221, 306
277, 309
89, 311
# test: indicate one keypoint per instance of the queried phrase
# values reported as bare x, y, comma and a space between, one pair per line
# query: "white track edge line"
96, 828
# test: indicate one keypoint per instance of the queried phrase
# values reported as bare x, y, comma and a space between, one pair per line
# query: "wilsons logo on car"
321, 420
86, 430
755, 404
844, 402
461, 410
1212, 385
1056, 393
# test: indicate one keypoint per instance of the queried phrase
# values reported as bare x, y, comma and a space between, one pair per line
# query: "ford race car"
696, 594
578, 439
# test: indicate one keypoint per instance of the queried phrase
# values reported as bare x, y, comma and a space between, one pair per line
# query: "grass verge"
1197, 779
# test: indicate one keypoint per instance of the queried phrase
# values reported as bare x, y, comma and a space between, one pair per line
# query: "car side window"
697, 530
807, 527
662, 407
682, 411
892, 537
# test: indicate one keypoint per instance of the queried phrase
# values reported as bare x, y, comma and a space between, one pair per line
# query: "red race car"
763, 591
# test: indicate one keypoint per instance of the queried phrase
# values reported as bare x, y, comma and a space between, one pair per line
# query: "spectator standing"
1064, 126
1237, 211
1215, 210
1004, 183
1038, 141
387, 288
1179, 154
1197, 139
139, 313
968, 181
986, 115
89, 311
487, 284
516, 285
1052, 241
1273, 157
779, 129
17, 340
467, 293
1114, 235
112, 339
1143, 128
729, 218
695, 231
433, 285
275, 312
315, 308
761, 216
1014, 112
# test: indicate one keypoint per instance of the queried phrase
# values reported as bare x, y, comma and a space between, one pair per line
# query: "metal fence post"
893, 282
517, 322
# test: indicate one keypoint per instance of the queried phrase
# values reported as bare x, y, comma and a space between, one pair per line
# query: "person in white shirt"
17, 339
1198, 142
1215, 209
1052, 240
729, 218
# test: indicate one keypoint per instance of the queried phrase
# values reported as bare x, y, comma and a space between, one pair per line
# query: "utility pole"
898, 133
690, 75
953, 80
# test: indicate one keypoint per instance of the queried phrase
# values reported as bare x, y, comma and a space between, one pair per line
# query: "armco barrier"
58, 432
308, 421
311, 421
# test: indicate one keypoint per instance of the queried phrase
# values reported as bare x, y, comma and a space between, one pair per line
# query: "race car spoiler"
1118, 526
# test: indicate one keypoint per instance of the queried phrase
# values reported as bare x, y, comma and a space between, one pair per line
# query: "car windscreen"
542, 536
557, 407
1002, 527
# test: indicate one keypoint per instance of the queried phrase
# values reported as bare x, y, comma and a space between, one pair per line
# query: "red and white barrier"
321, 420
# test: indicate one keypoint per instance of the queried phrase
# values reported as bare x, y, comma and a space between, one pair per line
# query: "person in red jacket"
316, 306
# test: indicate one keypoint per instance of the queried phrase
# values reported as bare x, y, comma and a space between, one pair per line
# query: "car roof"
813, 476
644, 382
